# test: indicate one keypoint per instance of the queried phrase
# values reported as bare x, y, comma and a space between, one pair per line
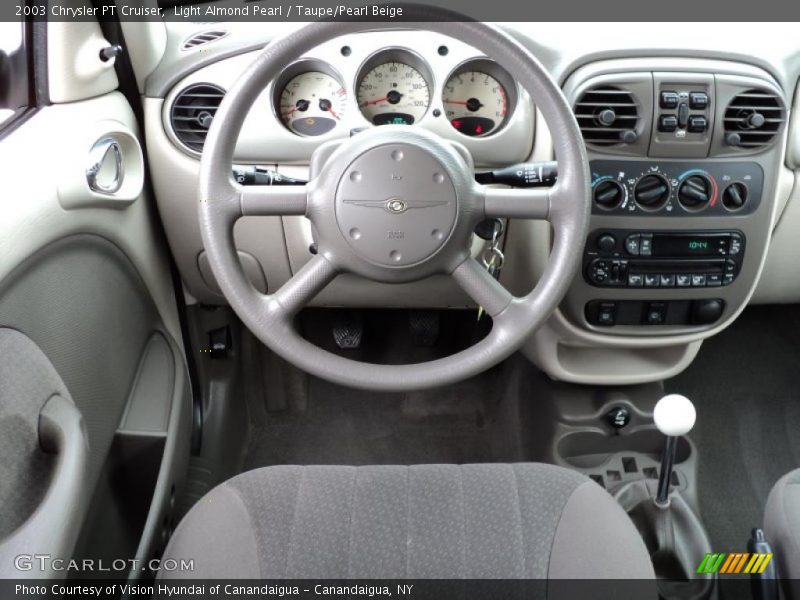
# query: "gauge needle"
368, 102
287, 113
461, 102
326, 105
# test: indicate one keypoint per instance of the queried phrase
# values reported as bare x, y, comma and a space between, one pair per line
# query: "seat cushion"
782, 526
426, 521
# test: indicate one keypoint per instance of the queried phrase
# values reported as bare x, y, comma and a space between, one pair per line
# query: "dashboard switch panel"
675, 188
608, 313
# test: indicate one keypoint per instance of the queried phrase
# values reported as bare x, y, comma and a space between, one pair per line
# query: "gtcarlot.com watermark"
46, 562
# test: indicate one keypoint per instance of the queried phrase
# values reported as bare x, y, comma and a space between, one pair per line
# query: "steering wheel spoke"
309, 281
482, 287
531, 203
273, 200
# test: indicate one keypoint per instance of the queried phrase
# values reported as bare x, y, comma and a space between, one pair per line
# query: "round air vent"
607, 115
192, 113
753, 119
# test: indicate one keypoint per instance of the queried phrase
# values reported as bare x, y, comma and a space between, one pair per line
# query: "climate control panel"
672, 189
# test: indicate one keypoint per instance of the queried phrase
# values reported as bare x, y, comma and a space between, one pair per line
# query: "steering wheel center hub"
396, 205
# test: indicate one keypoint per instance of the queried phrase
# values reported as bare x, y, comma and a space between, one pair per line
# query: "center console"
684, 157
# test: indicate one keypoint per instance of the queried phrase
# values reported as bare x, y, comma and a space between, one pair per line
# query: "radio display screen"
690, 244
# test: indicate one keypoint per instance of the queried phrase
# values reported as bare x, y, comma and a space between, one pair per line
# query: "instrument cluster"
394, 86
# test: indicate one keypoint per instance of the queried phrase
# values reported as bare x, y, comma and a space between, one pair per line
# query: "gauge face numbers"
312, 103
475, 103
393, 93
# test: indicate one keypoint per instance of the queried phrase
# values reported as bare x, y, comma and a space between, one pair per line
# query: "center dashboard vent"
753, 119
193, 111
203, 38
607, 115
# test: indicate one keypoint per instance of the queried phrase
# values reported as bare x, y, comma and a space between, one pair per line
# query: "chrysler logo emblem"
396, 206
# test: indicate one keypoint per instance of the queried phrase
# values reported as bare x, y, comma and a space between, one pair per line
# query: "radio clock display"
679, 244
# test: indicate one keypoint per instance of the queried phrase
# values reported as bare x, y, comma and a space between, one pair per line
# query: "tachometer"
312, 103
393, 93
475, 103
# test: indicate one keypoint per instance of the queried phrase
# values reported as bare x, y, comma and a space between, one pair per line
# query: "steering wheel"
394, 204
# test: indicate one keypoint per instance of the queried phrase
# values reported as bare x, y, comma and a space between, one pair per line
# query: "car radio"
625, 258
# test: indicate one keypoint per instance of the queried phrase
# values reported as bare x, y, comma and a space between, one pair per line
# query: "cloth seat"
510, 521
782, 529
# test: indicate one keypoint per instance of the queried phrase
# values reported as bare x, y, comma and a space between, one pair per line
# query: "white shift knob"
674, 415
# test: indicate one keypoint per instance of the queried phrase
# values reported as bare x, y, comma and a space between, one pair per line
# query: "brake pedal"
424, 327
348, 330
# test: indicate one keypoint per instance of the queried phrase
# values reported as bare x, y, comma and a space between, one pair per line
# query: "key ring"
492, 254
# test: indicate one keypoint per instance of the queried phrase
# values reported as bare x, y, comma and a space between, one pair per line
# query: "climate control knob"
608, 194
734, 196
695, 192
651, 191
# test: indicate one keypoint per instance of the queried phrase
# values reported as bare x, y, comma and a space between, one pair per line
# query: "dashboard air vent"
607, 115
753, 119
193, 111
201, 39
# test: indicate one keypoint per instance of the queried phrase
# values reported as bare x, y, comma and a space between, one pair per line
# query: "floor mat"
745, 384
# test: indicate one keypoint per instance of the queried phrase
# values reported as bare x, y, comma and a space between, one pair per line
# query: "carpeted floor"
745, 384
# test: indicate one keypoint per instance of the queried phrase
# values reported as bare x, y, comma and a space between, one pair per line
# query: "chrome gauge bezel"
491, 68
399, 55
299, 67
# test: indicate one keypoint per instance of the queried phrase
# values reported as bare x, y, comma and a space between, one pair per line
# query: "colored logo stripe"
737, 562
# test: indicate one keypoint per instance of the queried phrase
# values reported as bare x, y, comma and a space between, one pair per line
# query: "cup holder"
592, 449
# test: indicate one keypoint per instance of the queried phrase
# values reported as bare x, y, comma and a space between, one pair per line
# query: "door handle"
98, 157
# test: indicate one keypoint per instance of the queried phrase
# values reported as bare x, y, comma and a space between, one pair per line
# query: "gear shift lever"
674, 416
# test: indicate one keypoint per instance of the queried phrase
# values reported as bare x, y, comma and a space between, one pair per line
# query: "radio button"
667, 280
735, 245
635, 280
699, 280
646, 245
683, 280
728, 278
714, 279
607, 242
730, 266
632, 244
651, 280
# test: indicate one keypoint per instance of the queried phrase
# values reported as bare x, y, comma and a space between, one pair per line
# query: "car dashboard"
693, 208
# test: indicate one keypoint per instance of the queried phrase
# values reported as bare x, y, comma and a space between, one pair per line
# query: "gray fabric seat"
514, 521
782, 527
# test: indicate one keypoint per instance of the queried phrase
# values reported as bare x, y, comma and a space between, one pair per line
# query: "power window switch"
667, 123
669, 99
698, 124
698, 100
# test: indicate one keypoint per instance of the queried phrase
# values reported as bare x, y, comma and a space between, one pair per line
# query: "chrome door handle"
98, 156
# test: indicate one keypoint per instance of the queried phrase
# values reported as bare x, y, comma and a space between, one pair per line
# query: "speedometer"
475, 103
393, 93
312, 103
